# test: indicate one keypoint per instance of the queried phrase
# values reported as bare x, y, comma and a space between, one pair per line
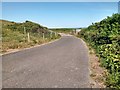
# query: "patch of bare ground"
97, 73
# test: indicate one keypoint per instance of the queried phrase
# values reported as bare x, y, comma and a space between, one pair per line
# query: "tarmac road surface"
61, 64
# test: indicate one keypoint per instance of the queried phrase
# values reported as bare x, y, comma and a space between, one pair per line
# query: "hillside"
30, 26
22, 35
104, 37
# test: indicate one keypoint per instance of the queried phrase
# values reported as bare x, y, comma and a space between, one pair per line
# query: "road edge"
93, 83
19, 50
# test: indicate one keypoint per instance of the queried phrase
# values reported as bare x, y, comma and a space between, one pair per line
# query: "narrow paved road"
61, 64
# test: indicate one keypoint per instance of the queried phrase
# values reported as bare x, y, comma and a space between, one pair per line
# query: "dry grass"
97, 73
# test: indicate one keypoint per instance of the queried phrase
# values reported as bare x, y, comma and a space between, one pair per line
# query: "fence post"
50, 35
43, 36
28, 37
55, 34
24, 30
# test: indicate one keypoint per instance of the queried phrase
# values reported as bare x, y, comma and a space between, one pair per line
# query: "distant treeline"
65, 30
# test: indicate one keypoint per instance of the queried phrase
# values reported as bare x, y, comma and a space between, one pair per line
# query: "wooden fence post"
43, 36
50, 35
24, 30
28, 37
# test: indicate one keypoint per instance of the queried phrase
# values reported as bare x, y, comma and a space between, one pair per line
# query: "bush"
104, 37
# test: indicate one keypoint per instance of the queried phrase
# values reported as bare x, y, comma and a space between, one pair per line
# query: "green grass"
13, 36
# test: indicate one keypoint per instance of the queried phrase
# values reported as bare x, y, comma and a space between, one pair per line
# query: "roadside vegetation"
104, 38
22, 35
